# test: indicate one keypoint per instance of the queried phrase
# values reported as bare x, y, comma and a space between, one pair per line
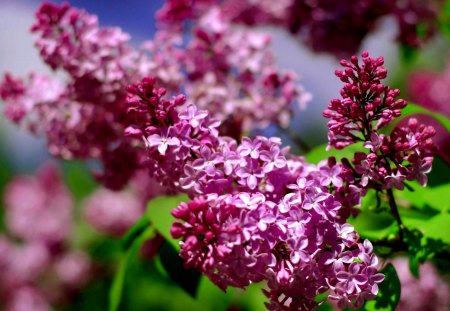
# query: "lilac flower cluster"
337, 28
42, 269
278, 222
367, 106
80, 118
231, 71
175, 12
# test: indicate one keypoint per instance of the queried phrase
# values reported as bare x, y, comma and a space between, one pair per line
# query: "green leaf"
158, 211
115, 292
134, 232
444, 19
438, 197
414, 265
187, 279
389, 292
373, 225
413, 197
437, 227
78, 179
209, 294
408, 53
320, 153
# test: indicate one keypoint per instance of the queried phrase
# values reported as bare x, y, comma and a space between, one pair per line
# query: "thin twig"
395, 213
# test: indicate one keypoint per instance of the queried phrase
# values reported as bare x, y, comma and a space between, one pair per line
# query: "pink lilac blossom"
80, 118
228, 70
28, 299
367, 105
112, 213
430, 89
39, 268
429, 292
337, 28
39, 208
278, 222
232, 73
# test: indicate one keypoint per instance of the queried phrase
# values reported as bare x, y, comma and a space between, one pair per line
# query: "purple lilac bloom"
249, 221
337, 28
366, 106
82, 117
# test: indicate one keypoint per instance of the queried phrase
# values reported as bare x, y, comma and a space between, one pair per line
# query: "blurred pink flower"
427, 293
72, 269
28, 299
112, 212
39, 208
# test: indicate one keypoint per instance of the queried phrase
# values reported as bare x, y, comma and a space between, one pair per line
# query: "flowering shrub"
172, 124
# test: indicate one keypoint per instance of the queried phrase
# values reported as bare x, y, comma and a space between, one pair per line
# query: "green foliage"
438, 197
158, 211
135, 232
94, 296
115, 293
78, 179
444, 19
187, 279
421, 249
408, 54
437, 227
389, 292
320, 153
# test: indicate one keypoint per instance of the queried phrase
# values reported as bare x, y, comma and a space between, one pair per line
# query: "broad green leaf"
187, 279
389, 292
437, 227
320, 153
252, 298
444, 19
158, 211
438, 197
413, 197
414, 265
374, 225
380, 234
115, 293
135, 231
440, 174
78, 179
210, 295
408, 53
